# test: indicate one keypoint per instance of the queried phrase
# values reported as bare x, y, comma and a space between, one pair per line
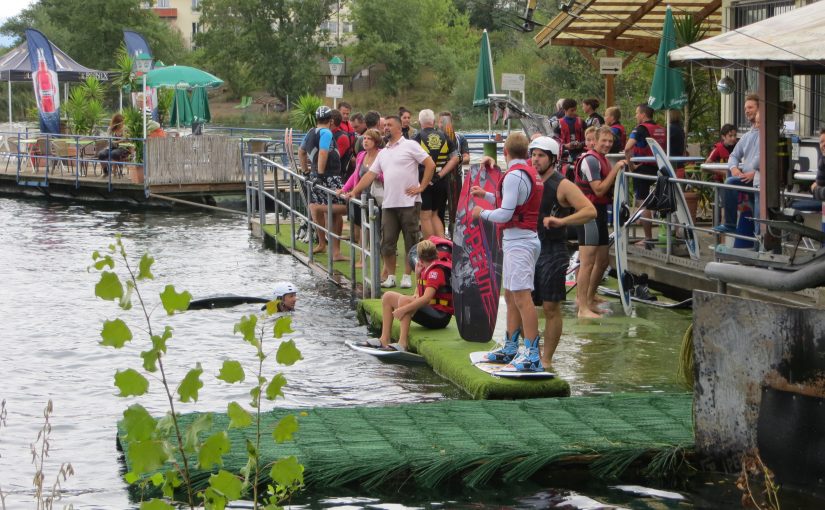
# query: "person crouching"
430, 306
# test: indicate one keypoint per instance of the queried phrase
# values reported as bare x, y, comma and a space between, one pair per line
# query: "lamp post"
336, 67
143, 64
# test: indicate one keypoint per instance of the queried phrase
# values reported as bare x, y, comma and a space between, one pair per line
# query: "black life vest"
333, 158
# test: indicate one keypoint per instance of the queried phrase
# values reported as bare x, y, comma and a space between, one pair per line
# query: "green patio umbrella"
179, 77
668, 89
200, 104
181, 109
485, 84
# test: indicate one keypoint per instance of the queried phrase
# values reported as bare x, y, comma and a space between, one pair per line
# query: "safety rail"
295, 209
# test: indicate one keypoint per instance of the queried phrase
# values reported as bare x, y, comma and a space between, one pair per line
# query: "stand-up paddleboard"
225, 301
621, 209
680, 305
682, 215
477, 255
479, 360
388, 356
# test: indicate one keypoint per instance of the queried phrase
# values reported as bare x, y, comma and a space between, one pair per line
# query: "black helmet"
323, 113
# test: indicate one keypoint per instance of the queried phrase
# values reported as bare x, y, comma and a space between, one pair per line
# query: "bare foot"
599, 300
339, 258
587, 313
319, 248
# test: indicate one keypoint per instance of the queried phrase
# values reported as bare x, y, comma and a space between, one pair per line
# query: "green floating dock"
449, 356
431, 443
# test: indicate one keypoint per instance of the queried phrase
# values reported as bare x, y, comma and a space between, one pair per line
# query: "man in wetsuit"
517, 209
559, 196
445, 154
637, 146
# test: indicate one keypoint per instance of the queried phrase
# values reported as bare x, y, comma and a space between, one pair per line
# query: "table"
720, 169
673, 159
805, 176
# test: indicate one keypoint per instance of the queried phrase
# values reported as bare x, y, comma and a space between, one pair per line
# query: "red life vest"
443, 299
622, 135
720, 153
584, 184
656, 132
526, 215
578, 131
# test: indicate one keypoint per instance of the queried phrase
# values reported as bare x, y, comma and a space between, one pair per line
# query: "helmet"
284, 288
545, 143
323, 113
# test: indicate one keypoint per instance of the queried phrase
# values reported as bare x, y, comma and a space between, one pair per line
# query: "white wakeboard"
389, 356
620, 202
479, 360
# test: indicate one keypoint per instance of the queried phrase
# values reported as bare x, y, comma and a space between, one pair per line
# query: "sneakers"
507, 352
724, 229
406, 282
389, 282
530, 359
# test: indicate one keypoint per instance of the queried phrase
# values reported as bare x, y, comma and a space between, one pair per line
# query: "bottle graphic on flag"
45, 85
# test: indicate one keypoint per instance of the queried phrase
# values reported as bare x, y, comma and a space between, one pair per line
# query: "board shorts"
431, 318
519, 266
551, 270
434, 198
398, 220
333, 182
641, 187
594, 232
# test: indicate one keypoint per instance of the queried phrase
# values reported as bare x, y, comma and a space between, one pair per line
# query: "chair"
39, 151
88, 155
245, 102
60, 153
13, 150
99, 145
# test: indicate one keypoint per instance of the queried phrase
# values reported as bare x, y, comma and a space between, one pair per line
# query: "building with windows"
181, 14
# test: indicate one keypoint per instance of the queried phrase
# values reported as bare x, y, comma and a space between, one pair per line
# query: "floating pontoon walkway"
428, 444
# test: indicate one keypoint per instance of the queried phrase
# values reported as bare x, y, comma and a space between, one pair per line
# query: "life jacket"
578, 131
621, 139
443, 299
444, 247
435, 143
526, 215
584, 184
333, 158
347, 161
656, 132
721, 152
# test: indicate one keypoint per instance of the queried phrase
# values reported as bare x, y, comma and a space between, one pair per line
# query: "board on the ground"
224, 301
620, 232
476, 277
479, 360
679, 305
389, 356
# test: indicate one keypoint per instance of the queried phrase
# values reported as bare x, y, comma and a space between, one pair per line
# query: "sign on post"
335, 91
610, 65
512, 82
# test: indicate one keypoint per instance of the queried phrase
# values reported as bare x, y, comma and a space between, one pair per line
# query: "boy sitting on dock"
430, 306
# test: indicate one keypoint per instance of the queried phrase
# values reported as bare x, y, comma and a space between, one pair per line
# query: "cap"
545, 143
151, 126
283, 288
323, 113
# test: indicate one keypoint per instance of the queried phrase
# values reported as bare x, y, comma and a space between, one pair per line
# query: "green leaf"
190, 437
227, 484
157, 479
231, 372
131, 477
105, 261
287, 472
256, 396
147, 455
288, 354
174, 301
189, 386
238, 416
115, 333
273, 389
159, 342
156, 504
165, 425
131, 383
283, 326
212, 450
125, 302
150, 359
286, 427
246, 326
138, 423
213, 500
145, 267
171, 483
109, 286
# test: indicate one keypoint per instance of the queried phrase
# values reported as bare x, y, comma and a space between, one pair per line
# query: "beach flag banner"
44, 78
137, 45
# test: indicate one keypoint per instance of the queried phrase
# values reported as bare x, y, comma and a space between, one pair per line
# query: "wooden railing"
206, 159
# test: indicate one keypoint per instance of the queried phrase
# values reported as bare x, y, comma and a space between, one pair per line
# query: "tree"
90, 31
279, 39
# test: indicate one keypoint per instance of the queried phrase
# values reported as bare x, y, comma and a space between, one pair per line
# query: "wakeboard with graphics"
477, 255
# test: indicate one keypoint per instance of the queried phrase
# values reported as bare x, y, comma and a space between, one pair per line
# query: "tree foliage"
279, 39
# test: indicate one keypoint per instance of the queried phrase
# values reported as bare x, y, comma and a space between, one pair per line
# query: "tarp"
15, 66
794, 37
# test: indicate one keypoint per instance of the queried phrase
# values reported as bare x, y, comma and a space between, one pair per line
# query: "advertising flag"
44, 78
136, 45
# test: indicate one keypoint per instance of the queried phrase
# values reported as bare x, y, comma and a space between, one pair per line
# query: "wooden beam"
622, 45
632, 19
589, 57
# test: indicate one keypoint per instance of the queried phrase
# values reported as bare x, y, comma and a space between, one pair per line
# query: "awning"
793, 38
15, 66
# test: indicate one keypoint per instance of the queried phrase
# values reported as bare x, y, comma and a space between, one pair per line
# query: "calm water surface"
50, 324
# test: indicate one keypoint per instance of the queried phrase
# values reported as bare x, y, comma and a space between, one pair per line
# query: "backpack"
347, 159
664, 196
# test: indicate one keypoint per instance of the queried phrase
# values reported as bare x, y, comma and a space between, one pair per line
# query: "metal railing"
289, 192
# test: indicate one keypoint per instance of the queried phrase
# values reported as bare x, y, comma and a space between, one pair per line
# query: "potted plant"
133, 122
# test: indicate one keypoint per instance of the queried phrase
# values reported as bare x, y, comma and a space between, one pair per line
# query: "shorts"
333, 182
551, 270
519, 267
431, 318
354, 213
434, 197
394, 221
641, 187
594, 232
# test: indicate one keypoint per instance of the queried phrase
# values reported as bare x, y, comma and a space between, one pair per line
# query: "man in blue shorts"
637, 146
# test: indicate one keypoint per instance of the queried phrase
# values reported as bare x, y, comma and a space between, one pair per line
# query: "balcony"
166, 12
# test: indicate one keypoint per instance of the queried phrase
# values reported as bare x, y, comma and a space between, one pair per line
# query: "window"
196, 4
162, 4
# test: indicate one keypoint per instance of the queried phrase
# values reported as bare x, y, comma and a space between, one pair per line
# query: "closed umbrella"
484, 77
668, 89
181, 109
200, 104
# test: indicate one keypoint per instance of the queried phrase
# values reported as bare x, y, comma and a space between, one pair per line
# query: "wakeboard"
479, 360
680, 305
621, 208
388, 356
224, 301
477, 258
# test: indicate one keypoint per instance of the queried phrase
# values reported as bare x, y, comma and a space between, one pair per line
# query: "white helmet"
284, 288
545, 143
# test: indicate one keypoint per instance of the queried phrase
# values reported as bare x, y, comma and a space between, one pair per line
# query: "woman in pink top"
372, 143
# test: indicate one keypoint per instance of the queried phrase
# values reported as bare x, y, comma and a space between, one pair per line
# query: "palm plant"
123, 78
165, 98
133, 123
84, 108
302, 116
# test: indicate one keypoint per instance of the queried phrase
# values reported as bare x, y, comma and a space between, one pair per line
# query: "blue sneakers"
530, 358
507, 352
724, 229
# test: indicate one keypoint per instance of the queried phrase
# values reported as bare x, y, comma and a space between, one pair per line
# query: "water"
50, 332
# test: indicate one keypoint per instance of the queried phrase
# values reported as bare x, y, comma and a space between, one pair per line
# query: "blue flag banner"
44, 77
136, 45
